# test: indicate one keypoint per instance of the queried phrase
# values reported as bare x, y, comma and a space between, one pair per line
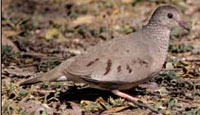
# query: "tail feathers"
51, 75
31, 81
41, 78
54, 74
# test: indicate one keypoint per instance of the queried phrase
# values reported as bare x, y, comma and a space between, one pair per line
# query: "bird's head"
168, 16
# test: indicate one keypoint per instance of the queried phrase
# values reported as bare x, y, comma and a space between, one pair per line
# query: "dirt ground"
38, 35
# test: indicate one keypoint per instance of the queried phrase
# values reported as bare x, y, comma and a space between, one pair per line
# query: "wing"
119, 60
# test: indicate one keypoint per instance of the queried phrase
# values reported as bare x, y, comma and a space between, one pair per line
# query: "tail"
32, 80
51, 75
54, 74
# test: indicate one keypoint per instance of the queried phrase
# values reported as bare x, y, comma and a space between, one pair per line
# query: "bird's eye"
170, 15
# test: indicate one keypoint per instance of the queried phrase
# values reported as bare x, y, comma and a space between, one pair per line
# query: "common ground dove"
124, 62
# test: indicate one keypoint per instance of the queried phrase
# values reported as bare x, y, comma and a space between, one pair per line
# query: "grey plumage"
123, 62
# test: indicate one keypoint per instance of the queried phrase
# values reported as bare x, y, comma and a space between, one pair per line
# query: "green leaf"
158, 105
44, 112
23, 92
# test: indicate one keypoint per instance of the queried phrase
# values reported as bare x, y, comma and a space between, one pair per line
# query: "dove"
124, 62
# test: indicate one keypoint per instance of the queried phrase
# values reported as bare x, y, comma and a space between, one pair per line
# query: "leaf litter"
37, 38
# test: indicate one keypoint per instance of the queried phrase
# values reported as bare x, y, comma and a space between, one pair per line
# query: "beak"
184, 25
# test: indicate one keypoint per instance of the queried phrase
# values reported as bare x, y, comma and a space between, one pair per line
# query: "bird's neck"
159, 36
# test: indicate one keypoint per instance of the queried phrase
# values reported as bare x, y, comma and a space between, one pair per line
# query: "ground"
38, 35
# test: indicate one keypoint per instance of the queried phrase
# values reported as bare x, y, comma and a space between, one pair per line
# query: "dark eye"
170, 15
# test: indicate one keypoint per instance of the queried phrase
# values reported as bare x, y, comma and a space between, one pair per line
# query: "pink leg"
124, 95
134, 100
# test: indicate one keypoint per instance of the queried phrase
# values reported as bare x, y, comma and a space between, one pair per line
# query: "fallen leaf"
18, 72
162, 91
87, 19
54, 33
115, 109
127, 1
60, 21
79, 2
33, 107
5, 5
169, 66
75, 110
9, 33
8, 42
196, 49
159, 105
90, 105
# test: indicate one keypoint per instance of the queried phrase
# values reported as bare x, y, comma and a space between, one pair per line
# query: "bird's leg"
124, 95
134, 100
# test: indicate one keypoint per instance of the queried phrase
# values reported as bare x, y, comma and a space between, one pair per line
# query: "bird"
124, 62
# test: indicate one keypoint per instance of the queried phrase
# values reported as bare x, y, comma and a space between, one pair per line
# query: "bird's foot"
134, 100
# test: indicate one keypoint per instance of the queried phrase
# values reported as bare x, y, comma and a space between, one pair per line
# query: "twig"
196, 103
33, 54
141, 104
193, 59
174, 69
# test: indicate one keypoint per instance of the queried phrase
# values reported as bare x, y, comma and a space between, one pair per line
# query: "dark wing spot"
128, 68
109, 64
92, 62
119, 68
142, 62
127, 51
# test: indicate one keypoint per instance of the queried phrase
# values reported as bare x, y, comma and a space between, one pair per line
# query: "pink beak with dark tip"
184, 25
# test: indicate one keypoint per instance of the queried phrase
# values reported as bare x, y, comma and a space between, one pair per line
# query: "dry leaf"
7, 42
18, 72
127, 1
116, 109
10, 33
87, 19
33, 107
54, 33
78, 2
60, 21
5, 5
75, 110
